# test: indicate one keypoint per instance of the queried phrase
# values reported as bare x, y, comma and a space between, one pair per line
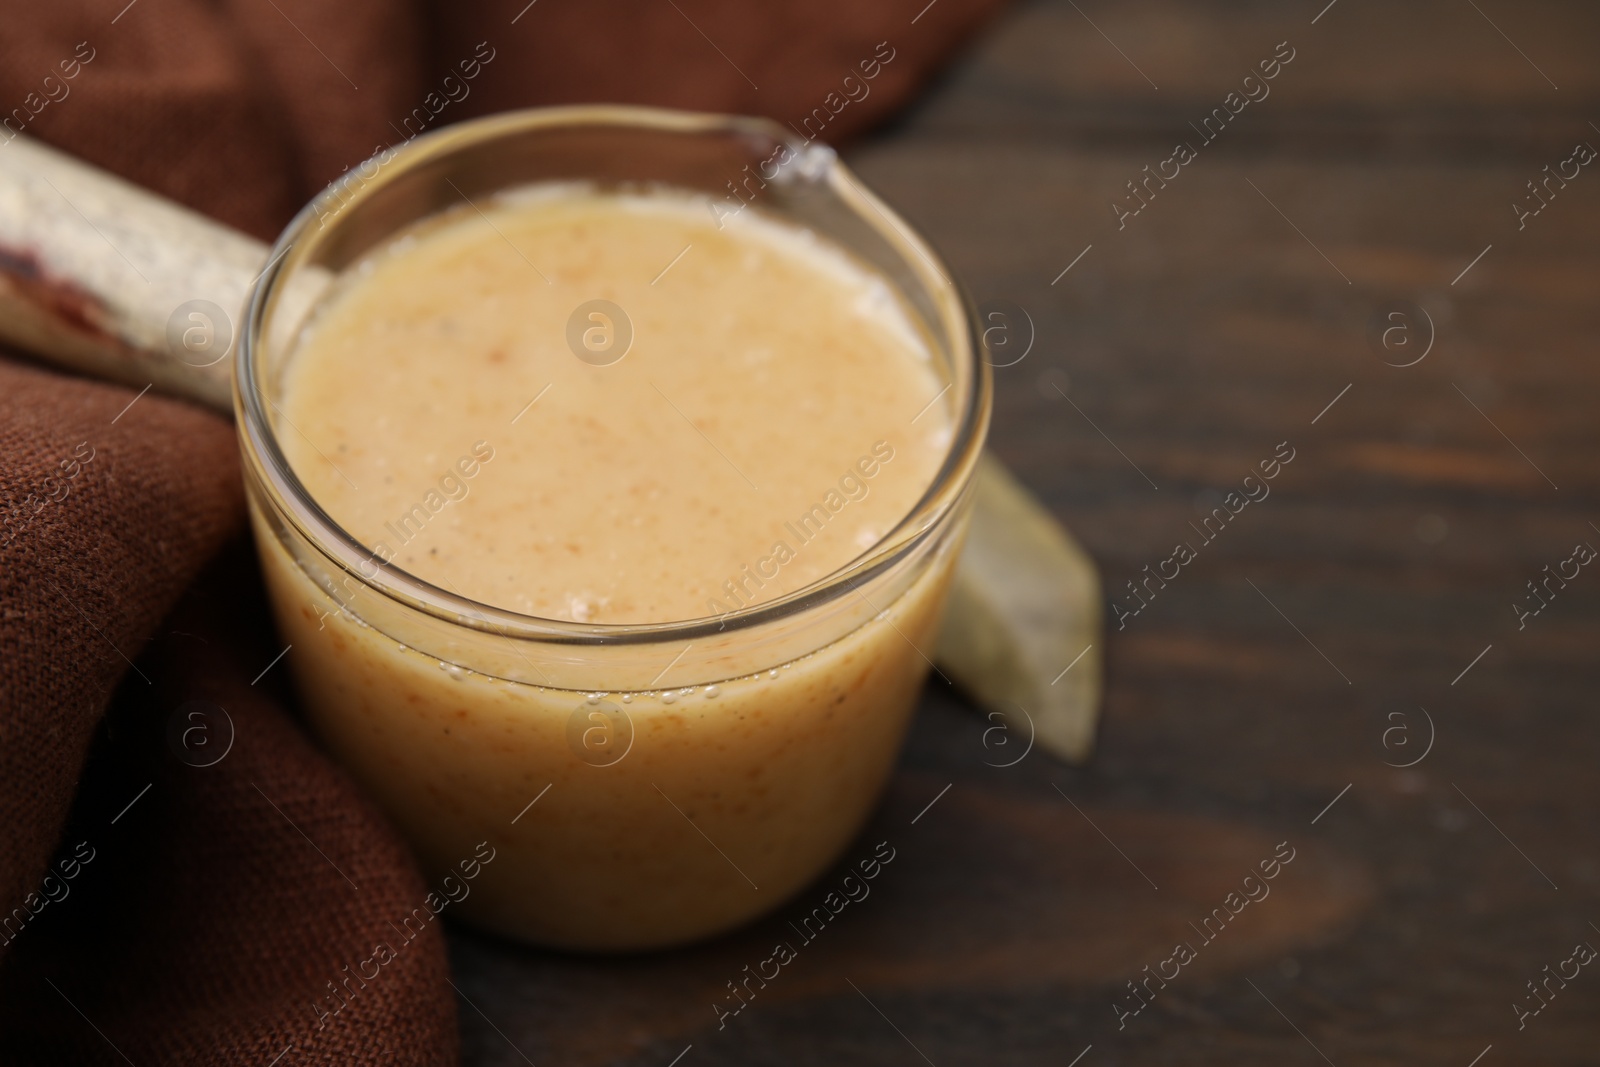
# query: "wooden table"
1360, 617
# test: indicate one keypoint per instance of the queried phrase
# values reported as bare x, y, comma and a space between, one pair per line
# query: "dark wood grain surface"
1360, 617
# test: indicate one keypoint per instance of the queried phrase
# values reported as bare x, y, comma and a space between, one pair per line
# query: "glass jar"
634, 786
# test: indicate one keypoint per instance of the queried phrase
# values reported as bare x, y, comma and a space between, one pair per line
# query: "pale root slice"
1022, 632
107, 278
103, 277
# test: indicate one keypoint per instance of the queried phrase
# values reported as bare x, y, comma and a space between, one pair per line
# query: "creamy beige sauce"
774, 395
760, 432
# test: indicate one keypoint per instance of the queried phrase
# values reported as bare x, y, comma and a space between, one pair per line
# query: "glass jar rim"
970, 381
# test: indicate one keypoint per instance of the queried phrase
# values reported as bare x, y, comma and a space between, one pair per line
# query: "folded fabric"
183, 877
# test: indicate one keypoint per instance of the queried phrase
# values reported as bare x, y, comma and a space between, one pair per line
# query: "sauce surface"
460, 407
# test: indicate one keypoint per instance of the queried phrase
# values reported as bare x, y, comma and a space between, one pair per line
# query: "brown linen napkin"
183, 878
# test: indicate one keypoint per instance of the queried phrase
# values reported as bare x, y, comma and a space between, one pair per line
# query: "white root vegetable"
101, 276
1022, 631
